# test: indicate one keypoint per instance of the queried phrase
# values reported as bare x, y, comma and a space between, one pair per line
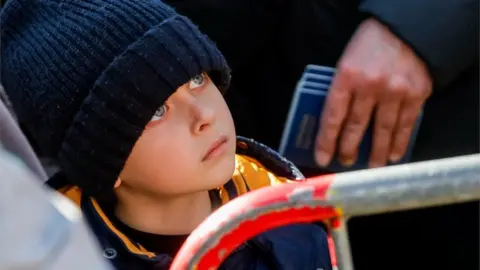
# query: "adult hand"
377, 74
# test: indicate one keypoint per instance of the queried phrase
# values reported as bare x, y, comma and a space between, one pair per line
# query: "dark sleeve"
444, 33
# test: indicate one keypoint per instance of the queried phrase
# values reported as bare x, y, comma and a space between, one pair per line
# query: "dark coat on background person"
268, 43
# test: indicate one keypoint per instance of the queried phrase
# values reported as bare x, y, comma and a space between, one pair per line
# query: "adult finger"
333, 115
409, 112
386, 117
355, 126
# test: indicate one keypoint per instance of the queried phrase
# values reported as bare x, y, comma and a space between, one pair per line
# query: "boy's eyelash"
203, 80
163, 109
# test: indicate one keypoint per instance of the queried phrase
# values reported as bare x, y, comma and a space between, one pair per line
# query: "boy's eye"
160, 113
197, 81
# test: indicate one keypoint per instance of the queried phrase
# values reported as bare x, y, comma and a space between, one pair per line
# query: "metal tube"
408, 186
342, 245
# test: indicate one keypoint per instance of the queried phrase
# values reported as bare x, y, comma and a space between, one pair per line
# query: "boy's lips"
216, 148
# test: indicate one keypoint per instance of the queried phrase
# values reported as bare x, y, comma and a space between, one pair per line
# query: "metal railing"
331, 199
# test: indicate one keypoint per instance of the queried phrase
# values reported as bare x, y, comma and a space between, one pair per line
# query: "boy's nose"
204, 118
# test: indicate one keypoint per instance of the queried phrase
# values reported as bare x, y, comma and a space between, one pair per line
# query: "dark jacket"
302, 246
268, 43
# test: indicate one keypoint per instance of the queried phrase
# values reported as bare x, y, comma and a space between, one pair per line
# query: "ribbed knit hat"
86, 76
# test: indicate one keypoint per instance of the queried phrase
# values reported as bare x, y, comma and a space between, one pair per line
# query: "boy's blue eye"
197, 81
160, 113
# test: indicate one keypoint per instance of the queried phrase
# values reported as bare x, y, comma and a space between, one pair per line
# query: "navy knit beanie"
85, 77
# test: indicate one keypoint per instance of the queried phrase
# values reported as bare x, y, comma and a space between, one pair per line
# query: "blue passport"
303, 122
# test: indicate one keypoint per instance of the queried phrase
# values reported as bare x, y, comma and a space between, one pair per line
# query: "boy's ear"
117, 183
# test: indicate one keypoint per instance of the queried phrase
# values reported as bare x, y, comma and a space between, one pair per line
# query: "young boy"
126, 95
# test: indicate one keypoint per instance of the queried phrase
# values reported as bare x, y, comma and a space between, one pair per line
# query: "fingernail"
395, 158
323, 159
374, 165
347, 162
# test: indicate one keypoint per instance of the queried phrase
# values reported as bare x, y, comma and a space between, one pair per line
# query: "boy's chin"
222, 173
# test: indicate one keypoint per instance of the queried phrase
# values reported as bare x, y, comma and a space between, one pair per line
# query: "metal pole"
409, 186
342, 245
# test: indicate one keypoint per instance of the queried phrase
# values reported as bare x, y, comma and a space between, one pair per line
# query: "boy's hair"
85, 77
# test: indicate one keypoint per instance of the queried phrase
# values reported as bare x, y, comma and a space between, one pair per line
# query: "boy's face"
189, 145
